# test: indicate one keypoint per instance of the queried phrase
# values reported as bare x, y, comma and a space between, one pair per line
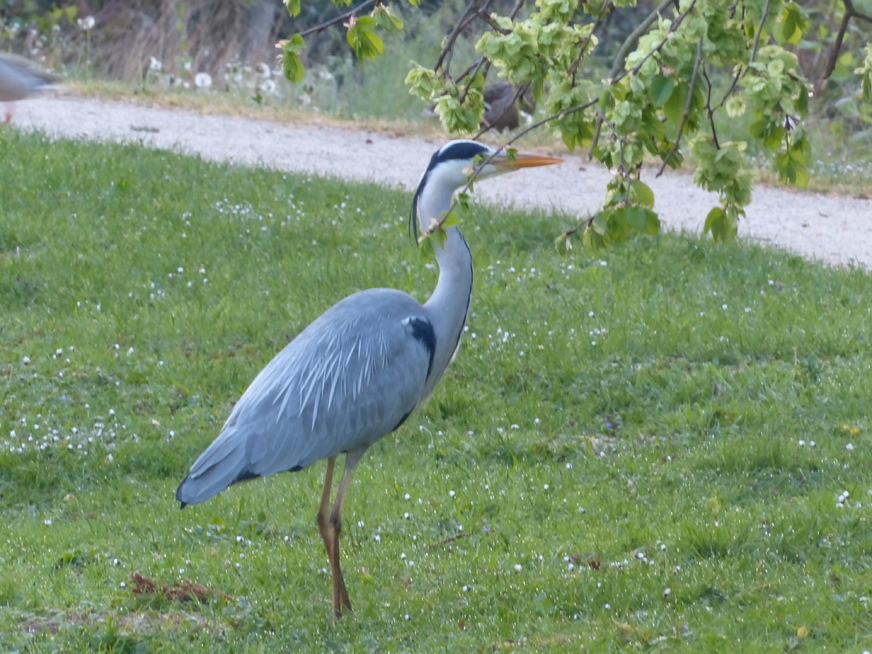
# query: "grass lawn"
661, 447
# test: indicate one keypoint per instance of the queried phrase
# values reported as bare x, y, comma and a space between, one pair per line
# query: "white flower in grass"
155, 65
203, 80
87, 24
268, 86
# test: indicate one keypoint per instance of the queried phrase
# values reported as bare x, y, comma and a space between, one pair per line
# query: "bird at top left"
19, 79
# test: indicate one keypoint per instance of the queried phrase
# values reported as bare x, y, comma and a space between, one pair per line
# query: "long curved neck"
448, 306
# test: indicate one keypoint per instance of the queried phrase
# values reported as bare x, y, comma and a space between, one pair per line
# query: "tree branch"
708, 106
744, 70
573, 67
763, 17
323, 26
618, 77
630, 41
449, 43
687, 106
850, 12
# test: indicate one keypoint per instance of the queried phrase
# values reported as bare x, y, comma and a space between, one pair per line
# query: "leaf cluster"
688, 73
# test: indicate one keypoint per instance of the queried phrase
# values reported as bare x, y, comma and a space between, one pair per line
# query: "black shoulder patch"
422, 330
244, 476
402, 420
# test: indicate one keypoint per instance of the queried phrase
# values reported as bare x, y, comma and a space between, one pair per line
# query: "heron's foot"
341, 603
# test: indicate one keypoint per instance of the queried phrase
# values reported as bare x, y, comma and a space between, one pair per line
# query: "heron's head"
452, 167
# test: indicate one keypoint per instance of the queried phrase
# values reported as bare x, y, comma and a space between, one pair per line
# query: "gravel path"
832, 229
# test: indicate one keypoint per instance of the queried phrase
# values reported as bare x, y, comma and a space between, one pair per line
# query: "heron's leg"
340, 593
324, 508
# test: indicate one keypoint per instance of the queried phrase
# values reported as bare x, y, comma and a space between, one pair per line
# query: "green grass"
616, 424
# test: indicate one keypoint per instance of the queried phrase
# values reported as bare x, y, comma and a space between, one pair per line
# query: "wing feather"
348, 379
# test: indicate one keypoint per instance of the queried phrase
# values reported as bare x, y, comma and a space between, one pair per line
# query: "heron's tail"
222, 464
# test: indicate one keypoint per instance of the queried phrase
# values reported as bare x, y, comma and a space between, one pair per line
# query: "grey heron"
19, 78
356, 373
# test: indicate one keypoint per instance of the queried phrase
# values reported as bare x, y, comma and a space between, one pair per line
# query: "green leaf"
424, 83
363, 39
293, 7
660, 90
451, 219
595, 234
440, 236
673, 108
714, 222
294, 44
792, 24
385, 19
563, 244
641, 193
426, 247
291, 62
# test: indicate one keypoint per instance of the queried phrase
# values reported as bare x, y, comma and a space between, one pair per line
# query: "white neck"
449, 303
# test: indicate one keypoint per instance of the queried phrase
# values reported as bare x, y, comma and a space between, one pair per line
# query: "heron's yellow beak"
524, 161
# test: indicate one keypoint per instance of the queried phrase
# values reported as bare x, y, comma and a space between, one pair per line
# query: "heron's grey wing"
348, 379
19, 77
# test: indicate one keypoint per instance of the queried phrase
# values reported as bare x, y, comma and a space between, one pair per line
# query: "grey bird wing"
349, 378
20, 77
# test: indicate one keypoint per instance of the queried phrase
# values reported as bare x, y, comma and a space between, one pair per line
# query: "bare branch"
763, 17
446, 52
849, 5
850, 12
711, 112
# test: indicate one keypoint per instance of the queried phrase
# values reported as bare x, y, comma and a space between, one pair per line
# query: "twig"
711, 112
743, 70
521, 91
630, 41
323, 26
687, 106
471, 12
476, 67
763, 17
850, 12
573, 67
449, 43
615, 77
